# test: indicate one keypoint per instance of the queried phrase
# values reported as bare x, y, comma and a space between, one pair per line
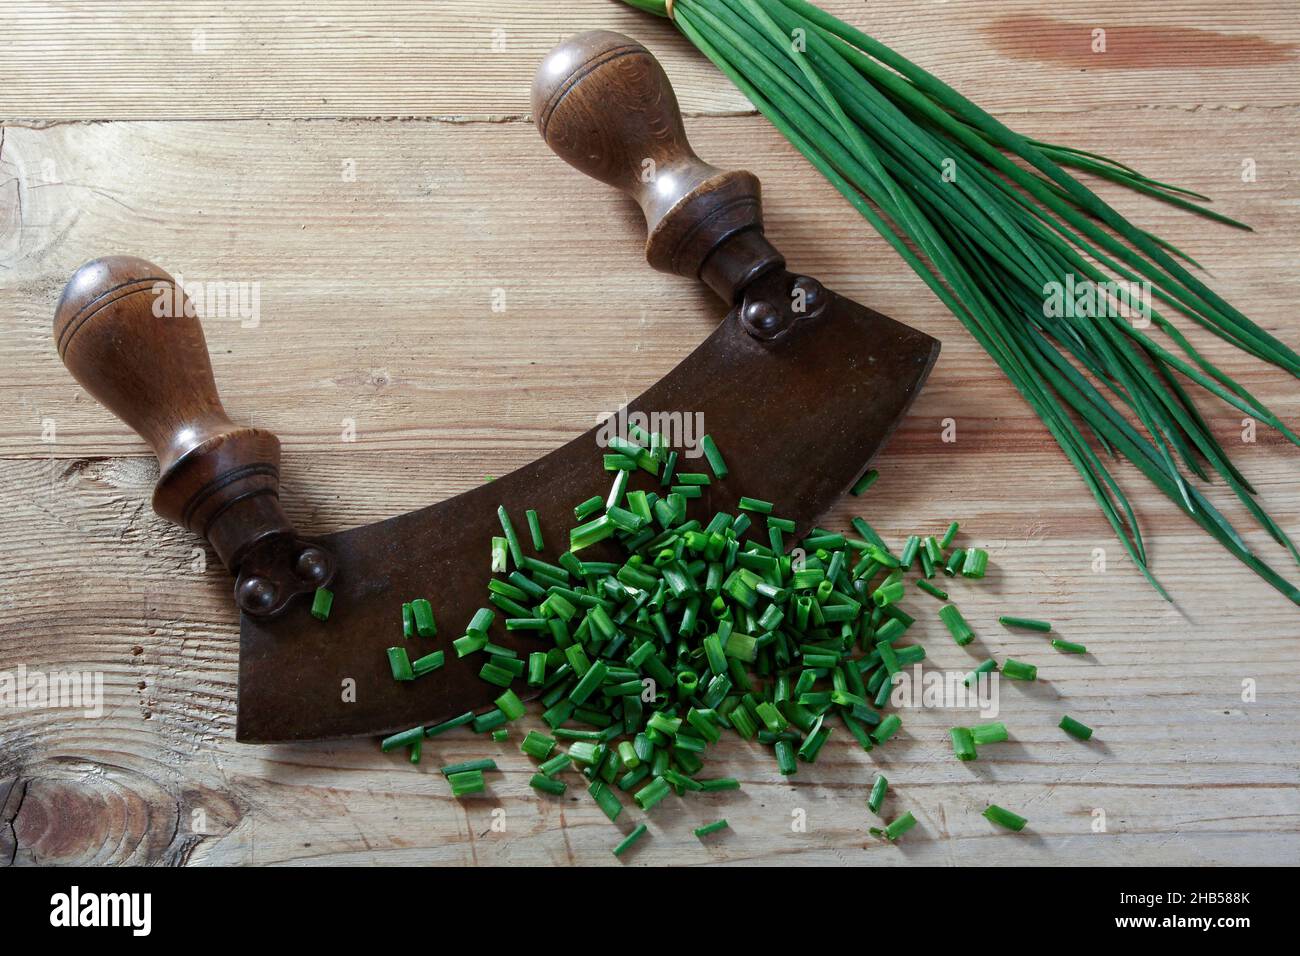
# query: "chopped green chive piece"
1004, 818
496, 674
910, 548
551, 767
888, 726
692, 478
930, 589
500, 555
588, 534
616, 491
408, 621
427, 664
469, 644
424, 623
785, 762
400, 662
989, 733
321, 603
1027, 623
932, 550
605, 799
493, 719
709, 828
900, 826
670, 467
470, 781
714, 457
948, 536
536, 669
654, 791
512, 539
984, 667
481, 621
963, 744
500, 736
538, 746
956, 624
1018, 670
587, 685
1075, 729
865, 482
487, 763
755, 504
955, 563
511, 705
589, 507
877, 798
404, 739
630, 840
446, 725
547, 784
535, 530
977, 560
1068, 647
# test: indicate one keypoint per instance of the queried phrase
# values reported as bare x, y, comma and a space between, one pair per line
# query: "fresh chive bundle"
1006, 225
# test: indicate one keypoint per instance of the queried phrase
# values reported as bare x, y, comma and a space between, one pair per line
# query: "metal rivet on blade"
312, 565
813, 293
761, 319
256, 594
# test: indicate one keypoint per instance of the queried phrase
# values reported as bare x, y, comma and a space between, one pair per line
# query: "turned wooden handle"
604, 105
129, 335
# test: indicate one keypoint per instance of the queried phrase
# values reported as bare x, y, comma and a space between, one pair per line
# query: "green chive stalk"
994, 238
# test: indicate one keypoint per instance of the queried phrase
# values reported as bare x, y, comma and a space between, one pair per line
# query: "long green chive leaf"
994, 239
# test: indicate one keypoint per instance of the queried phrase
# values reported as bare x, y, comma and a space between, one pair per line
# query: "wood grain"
467, 59
378, 246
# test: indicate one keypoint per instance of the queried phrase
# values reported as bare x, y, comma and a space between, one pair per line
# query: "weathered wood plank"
181, 59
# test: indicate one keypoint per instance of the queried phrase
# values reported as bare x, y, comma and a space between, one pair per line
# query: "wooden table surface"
373, 167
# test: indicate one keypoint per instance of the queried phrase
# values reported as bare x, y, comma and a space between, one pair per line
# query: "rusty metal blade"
798, 420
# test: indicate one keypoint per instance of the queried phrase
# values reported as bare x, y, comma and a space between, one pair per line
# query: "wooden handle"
604, 105
130, 336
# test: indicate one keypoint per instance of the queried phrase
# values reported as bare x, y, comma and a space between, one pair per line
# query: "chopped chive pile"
687, 629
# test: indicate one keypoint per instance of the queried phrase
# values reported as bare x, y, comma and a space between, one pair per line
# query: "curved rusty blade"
798, 419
